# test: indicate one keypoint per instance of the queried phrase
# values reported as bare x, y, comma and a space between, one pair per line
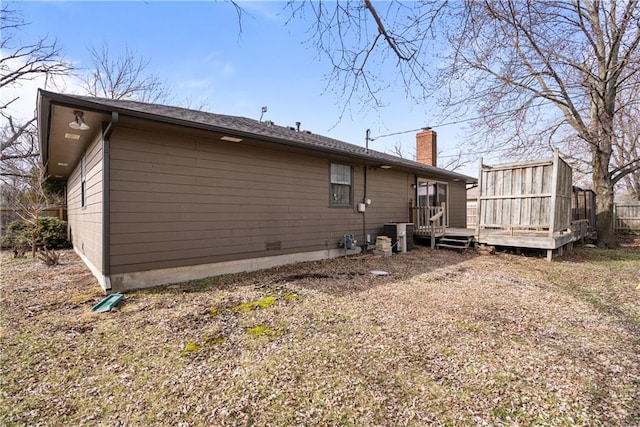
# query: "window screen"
83, 180
340, 185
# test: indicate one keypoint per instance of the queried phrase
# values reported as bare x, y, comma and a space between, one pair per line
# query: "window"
431, 194
83, 180
340, 181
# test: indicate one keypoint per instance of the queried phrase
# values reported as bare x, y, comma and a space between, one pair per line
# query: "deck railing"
580, 229
429, 220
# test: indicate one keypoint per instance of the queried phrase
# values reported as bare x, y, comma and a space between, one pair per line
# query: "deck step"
454, 243
454, 240
444, 245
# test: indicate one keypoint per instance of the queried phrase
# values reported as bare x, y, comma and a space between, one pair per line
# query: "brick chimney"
427, 147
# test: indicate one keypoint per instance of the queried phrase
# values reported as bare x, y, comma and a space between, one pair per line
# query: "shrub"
49, 256
17, 235
51, 232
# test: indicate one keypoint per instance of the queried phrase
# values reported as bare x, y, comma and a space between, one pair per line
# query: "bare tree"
564, 69
398, 150
123, 76
19, 149
359, 44
20, 62
22, 183
24, 186
535, 74
32, 200
628, 153
19, 158
453, 162
626, 147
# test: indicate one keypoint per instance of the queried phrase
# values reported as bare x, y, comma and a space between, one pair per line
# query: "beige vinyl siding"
85, 223
390, 192
182, 197
186, 198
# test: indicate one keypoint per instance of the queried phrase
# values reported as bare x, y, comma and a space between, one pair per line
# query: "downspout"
106, 198
364, 213
365, 244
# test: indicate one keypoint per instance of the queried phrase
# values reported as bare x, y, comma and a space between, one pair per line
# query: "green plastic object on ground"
107, 304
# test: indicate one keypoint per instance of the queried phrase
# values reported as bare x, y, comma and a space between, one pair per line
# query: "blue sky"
197, 49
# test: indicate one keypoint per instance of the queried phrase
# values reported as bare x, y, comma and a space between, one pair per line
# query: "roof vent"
298, 126
291, 128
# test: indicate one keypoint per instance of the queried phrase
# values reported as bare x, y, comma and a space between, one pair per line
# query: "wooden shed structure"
526, 205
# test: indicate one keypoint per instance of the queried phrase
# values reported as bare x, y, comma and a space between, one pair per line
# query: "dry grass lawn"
445, 339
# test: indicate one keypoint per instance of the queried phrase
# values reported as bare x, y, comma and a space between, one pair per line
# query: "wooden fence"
627, 218
8, 215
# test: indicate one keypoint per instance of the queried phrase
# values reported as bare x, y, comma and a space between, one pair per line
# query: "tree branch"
383, 31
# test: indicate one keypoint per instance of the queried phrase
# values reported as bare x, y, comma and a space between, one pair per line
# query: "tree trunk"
603, 186
34, 235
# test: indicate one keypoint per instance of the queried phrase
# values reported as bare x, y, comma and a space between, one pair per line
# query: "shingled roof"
241, 126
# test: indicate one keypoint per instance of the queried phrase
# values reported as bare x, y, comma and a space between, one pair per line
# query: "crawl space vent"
274, 246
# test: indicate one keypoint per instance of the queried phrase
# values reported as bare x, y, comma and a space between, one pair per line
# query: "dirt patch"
445, 338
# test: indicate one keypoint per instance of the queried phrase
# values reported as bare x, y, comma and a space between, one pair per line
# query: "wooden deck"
524, 239
527, 205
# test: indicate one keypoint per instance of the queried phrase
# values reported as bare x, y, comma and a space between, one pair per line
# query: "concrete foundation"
145, 279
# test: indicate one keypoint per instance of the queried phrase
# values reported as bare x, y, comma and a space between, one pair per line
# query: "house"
159, 194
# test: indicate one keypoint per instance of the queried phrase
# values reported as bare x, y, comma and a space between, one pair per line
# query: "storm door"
431, 195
